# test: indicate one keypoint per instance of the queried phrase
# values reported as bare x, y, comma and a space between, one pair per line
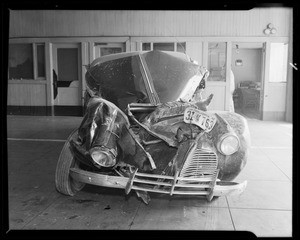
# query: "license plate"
199, 118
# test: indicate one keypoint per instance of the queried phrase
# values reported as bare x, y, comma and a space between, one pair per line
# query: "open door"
275, 75
216, 84
67, 79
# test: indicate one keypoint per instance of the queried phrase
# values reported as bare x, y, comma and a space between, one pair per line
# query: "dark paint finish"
155, 138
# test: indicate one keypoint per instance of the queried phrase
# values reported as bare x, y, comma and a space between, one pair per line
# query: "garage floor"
34, 144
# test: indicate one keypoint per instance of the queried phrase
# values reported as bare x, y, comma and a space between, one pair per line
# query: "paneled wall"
64, 23
22, 93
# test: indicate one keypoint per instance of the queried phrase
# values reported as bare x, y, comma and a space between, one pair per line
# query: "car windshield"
170, 72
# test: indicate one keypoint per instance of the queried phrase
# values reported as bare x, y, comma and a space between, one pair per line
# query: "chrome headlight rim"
222, 138
110, 154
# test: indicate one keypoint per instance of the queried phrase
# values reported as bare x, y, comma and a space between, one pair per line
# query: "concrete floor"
34, 144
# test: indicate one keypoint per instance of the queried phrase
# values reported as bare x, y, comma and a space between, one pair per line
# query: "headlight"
228, 144
103, 157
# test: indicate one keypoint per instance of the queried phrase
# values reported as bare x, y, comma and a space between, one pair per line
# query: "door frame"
266, 73
264, 77
262, 72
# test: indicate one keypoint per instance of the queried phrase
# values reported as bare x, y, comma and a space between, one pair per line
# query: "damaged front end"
158, 152
147, 128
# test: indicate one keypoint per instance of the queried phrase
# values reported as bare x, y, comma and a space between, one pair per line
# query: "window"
20, 61
181, 47
40, 55
67, 64
217, 61
146, 47
26, 61
164, 46
102, 49
110, 50
278, 62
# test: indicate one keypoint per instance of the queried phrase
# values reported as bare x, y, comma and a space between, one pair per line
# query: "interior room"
246, 66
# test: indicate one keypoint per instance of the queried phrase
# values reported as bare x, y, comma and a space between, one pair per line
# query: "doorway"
66, 79
247, 68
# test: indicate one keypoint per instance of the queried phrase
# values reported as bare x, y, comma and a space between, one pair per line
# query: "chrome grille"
200, 163
197, 177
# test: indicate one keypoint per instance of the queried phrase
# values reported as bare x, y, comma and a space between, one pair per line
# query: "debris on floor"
107, 207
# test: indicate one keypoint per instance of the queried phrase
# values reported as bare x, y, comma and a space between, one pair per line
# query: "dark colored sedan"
147, 128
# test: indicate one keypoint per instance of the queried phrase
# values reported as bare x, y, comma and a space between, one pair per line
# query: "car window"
121, 81
170, 74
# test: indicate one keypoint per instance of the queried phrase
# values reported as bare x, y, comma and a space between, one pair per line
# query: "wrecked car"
147, 128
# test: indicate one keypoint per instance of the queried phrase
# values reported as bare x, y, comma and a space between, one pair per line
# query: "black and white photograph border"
49, 53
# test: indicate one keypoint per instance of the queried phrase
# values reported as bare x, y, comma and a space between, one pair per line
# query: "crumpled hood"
166, 121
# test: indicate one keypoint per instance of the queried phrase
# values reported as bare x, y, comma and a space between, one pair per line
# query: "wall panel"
26, 94
67, 23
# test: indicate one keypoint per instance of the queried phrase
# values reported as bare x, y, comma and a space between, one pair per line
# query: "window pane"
163, 46
109, 50
181, 47
67, 64
146, 47
100, 44
20, 61
278, 62
217, 61
40, 52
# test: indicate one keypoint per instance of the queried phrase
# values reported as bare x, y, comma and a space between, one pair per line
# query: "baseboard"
45, 111
68, 110
29, 110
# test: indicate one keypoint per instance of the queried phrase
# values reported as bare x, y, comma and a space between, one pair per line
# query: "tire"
63, 181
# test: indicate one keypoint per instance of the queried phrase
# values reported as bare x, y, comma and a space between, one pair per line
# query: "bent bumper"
161, 184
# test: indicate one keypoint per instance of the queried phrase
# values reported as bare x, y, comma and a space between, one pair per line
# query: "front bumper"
205, 186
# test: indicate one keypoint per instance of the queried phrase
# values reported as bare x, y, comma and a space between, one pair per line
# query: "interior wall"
55, 23
23, 94
251, 68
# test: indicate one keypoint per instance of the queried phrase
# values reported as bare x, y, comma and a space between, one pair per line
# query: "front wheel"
64, 183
